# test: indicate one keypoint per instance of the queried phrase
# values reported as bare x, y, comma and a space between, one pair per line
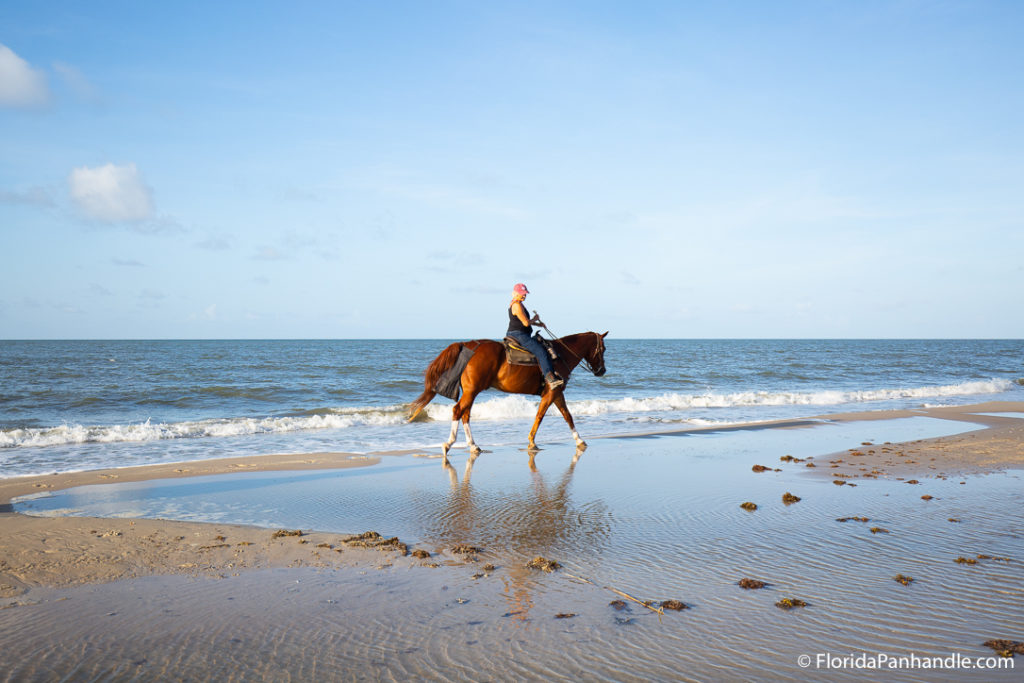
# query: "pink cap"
521, 289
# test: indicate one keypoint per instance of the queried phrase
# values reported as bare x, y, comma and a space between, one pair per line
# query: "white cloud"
111, 193
21, 86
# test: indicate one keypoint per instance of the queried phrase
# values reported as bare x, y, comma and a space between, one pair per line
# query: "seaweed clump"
282, 533
543, 564
965, 560
852, 519
788, 498
372, 539
676, 605
790, 603
1005, 648
751, 584
905, 580
466, 549
420, 554
878, 530
759, 468
749, 506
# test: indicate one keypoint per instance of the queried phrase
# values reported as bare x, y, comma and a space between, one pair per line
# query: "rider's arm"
520, 312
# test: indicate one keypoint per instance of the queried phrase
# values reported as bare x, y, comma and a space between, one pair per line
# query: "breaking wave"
513, 407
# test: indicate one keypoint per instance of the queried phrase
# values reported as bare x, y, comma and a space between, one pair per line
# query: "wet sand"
337, 610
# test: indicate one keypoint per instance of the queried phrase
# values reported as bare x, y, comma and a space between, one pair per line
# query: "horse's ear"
604, 335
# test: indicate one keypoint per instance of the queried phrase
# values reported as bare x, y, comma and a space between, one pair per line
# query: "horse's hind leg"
466, 404
446, 446
473, 448
461, 411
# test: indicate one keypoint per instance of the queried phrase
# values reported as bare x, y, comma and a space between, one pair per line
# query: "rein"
582, 359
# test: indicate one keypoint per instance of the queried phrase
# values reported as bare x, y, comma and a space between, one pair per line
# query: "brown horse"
489, 369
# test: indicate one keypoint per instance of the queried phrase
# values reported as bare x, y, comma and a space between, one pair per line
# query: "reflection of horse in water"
489, 369
535, 518
526, 520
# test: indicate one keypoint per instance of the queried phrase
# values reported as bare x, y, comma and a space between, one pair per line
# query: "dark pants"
534, 347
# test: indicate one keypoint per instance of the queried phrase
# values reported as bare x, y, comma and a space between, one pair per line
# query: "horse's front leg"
564, 410
545, 403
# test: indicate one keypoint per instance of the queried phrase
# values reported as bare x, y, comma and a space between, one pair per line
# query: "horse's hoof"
532, 448
475, 450
581, 445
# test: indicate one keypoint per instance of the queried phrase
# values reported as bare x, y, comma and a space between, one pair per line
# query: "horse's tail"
444, 361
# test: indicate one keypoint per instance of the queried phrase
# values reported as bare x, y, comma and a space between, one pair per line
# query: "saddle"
517, 355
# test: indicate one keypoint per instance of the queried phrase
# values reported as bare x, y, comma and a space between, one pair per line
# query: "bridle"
597, 372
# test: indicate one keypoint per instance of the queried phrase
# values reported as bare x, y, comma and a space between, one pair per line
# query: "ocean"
80, 405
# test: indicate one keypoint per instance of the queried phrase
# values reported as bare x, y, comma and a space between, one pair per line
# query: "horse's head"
595, 357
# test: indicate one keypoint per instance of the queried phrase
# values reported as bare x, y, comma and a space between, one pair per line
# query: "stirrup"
553, 380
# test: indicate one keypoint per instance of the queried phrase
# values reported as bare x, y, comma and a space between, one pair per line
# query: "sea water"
76, 405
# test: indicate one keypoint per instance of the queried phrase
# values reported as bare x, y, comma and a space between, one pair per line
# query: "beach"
451, 597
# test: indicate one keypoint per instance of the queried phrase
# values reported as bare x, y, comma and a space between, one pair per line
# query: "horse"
489, 369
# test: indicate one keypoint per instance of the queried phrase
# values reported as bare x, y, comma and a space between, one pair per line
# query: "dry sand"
64, 551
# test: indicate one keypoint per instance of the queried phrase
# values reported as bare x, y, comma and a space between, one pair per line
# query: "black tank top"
515, 324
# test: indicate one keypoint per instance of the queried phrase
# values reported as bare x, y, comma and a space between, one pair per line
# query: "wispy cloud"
266, 253
447, 261
111, 194
21, 85
627, 278
33, 196
78, 83
99, 290
214, 243
131, 263
406, 185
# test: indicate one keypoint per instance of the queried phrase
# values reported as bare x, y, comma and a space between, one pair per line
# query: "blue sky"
339, 170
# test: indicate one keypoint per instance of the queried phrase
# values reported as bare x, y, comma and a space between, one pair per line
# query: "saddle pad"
517, 355
449, 384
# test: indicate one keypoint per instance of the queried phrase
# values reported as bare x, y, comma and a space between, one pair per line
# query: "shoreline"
57, 552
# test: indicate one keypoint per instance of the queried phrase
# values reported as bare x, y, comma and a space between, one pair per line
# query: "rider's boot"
553, 380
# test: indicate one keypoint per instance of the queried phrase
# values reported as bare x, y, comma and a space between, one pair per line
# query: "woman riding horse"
520, 328
488, 368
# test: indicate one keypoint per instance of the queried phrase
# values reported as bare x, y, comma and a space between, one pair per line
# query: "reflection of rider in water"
520, 328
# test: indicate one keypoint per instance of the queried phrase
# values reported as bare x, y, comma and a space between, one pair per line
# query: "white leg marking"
451, 437
469, 438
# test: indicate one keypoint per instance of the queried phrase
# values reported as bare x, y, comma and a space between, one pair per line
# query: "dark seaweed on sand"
1005, 648
790, 603
543, 564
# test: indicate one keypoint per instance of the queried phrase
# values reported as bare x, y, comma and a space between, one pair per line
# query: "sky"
391, 169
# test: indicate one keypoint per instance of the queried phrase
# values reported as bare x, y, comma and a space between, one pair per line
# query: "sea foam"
506, 407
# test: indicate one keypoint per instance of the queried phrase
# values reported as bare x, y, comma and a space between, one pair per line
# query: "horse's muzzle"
599, 372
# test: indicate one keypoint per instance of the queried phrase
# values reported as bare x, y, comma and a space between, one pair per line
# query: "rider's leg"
535, 347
